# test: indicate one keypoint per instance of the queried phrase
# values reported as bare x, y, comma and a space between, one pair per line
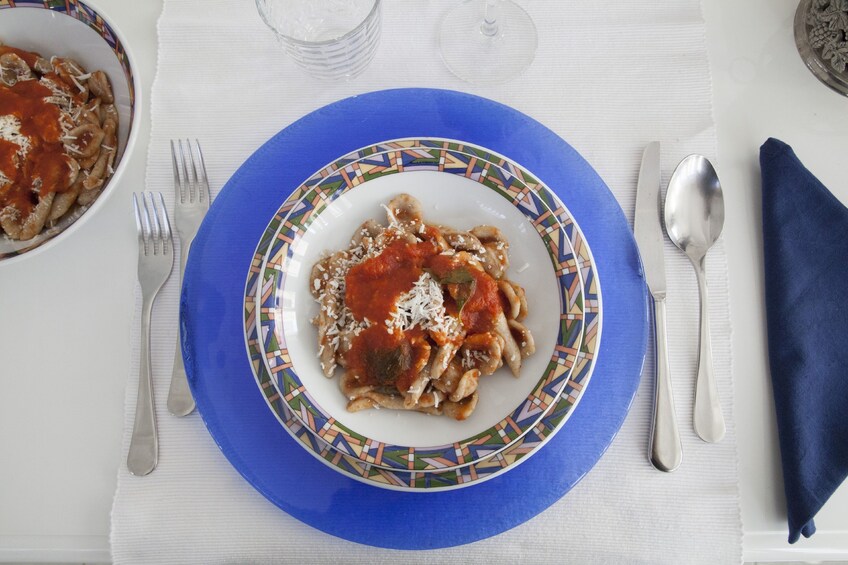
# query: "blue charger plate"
234, 410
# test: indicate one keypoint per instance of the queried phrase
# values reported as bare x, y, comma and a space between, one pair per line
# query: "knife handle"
666, 450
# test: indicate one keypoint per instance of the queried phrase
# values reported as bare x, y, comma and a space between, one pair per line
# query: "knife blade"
665, 448
646, 223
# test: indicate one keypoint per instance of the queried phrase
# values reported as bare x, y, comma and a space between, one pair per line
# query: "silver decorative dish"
821, 35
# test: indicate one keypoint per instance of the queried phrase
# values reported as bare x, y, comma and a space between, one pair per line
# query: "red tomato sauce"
380, 358
479, 313
28, 56
373, 286
372, 289
46, 168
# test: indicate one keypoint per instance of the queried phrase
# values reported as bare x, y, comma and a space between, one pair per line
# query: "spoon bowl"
694, 206
694, 217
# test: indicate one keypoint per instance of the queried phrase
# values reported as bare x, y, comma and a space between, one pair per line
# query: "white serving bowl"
80, 32
449, 200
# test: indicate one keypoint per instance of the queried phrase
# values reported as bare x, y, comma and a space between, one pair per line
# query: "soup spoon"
694, 217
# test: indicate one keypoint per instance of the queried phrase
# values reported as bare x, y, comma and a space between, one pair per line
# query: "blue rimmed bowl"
70, 28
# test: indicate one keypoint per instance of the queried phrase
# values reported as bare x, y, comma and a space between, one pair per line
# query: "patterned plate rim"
429, 481
322, 450
424, 154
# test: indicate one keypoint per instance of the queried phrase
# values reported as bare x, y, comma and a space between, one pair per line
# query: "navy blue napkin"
805, 237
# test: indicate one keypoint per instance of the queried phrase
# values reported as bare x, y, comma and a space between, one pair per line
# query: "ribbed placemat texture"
607, 79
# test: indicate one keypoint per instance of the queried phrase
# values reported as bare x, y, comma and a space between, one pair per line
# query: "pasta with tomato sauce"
416, 313
58, 139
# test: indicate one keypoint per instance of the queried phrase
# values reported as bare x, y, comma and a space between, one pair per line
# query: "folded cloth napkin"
805, 236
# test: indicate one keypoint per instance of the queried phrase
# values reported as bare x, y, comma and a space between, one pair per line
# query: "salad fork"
155, 260
192, 202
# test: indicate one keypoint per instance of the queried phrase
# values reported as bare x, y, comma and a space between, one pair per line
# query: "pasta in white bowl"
415, 313
446, 200
66, 67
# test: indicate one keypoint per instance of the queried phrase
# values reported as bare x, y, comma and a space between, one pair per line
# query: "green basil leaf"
464, 294
387, 365
460, 275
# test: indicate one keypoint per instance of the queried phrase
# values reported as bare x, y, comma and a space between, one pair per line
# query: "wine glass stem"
489, 27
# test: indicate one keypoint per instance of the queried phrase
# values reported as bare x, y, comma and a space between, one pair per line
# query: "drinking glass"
487, 41
329, 39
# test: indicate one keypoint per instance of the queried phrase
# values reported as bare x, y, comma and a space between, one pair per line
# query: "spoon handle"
708, 420
666, 450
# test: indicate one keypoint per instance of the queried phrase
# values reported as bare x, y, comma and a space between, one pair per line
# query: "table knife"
665, 448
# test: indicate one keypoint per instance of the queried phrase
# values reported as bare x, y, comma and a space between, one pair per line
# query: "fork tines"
187, 157
152, 225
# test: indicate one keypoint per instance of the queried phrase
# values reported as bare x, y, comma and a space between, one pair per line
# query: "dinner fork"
155, 260
192, 202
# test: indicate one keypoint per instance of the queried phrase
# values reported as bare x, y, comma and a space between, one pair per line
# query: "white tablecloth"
608, 79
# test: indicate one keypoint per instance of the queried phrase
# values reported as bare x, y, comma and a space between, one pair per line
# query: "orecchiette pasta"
416, 313
58, 139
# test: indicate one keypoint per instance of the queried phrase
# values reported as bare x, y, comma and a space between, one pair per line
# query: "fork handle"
144, 445
180, 400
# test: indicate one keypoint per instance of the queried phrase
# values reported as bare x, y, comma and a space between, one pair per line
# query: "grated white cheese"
331, 285
77, 83
472, 357
10, 213
422, 306
392, 218
10, 130
60, 97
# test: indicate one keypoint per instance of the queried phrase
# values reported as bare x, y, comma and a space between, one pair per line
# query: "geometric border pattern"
489, 467
354, 171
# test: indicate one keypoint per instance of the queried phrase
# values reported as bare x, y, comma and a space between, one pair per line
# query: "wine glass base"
480, 58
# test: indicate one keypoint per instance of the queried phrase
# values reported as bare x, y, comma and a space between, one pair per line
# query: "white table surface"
69, 334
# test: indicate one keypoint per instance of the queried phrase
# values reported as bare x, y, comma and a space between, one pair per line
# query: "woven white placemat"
606, 79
